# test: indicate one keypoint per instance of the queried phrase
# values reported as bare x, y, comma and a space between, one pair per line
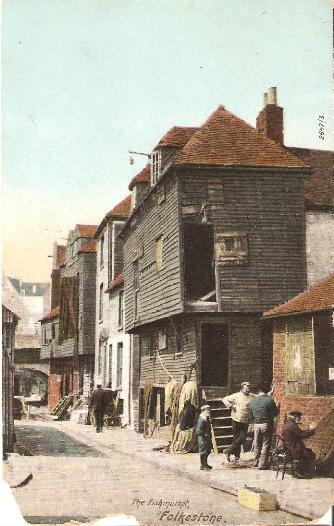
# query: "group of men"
259, 410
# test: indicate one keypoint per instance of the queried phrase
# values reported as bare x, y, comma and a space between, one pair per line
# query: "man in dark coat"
293, 439
97, 405
203, 432
263, 411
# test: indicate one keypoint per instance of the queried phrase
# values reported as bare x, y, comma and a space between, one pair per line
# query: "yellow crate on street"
257, 499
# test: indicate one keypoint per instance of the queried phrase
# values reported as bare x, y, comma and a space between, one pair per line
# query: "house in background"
112, 345
303, 353
30, 301
9, 323
218, 238
69, 335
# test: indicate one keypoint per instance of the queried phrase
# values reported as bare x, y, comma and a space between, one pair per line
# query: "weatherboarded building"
217, 238
68, 331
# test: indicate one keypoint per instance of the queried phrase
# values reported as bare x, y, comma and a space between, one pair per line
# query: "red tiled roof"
52, 314
117, 282
319, 187
61, 254
225, 139
89, 246
176, 137
85, 230
318, 297
142, 177
122, 209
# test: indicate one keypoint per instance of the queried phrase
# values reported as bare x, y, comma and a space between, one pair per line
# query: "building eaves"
318, 297
51, 315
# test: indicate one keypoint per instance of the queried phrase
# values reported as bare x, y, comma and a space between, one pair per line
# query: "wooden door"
214, 354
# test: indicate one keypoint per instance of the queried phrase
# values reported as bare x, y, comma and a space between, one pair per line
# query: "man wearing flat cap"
203, 432
241, 416
293, 437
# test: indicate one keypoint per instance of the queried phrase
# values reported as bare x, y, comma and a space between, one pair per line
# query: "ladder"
221, 424
60, 408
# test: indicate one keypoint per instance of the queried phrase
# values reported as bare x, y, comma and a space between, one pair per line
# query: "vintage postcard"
168, 263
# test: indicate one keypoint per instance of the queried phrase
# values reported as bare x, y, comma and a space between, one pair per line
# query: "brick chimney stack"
270, 120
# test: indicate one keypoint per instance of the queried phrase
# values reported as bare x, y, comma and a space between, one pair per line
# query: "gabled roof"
51, 315
85, 230
142, 177
117, 282
88, 247
225, 139
319, 187
318, 297
176, 137
122, 209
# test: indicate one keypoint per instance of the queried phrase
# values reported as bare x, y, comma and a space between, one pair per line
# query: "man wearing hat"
240, 413
203, 432
97, 405
293, 437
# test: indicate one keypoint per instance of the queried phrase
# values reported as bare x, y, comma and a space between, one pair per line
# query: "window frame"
102, 252
159, 247
120, 309
119, 365
156, 166
101, 303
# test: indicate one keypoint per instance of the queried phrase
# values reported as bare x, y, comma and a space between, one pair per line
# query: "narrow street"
64, 488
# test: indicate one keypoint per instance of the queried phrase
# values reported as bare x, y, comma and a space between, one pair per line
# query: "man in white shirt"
241, 416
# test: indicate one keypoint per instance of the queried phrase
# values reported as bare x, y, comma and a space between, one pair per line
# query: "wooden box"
257, 499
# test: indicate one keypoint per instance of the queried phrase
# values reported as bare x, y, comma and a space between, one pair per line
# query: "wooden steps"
221, 424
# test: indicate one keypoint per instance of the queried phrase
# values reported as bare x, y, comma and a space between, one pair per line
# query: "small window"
101, 251
119, 364
53, 331
162, 340
231, 248
110, 366
158, 252
101, 302
156, 165
136, 288
45, 340
120, 308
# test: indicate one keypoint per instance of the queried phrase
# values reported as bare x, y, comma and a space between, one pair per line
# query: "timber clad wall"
269, 208
87, 304
159, 291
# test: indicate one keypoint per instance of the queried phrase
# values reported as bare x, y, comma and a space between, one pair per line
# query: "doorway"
215, 354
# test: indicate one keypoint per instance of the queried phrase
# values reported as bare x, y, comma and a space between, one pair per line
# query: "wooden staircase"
221, 424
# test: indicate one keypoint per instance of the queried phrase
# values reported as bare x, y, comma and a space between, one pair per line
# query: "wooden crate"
257, 499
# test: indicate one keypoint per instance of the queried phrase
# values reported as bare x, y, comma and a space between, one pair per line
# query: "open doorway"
214, 354
198, 261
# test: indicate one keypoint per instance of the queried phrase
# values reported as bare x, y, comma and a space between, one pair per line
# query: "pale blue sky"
84, 81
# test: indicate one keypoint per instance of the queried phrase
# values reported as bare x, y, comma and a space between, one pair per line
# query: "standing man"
293, 440
239, 404
97, 405
203, 432
263, 411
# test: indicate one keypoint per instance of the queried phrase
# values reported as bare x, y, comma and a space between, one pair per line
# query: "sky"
85, 81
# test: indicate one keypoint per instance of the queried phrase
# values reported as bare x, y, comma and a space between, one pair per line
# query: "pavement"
309, 499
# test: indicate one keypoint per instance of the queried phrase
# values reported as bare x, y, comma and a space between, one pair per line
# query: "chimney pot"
265, 99
272, 96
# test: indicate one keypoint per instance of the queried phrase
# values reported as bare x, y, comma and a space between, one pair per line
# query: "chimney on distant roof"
270, 119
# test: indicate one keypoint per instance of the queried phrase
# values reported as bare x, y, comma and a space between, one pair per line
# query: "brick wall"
314, 408
270, 122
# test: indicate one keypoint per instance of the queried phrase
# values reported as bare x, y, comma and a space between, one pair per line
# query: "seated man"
293, 438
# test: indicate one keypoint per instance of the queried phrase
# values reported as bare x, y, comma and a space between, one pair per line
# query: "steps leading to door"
221, 422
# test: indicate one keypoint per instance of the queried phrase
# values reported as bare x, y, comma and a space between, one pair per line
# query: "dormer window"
156, 166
